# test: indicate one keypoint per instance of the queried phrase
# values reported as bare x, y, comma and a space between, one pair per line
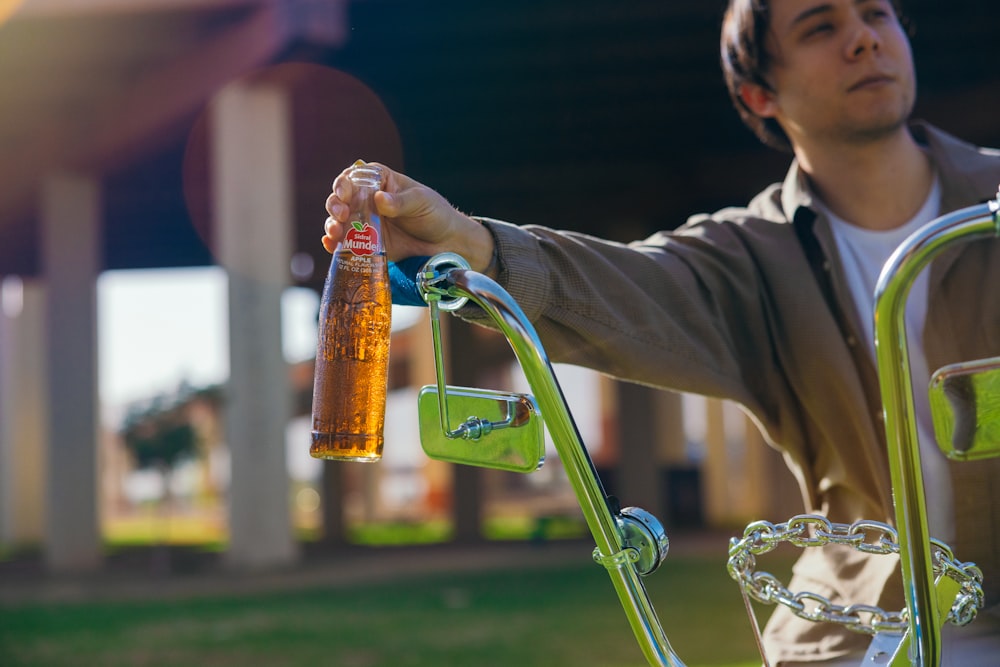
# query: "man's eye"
819, 29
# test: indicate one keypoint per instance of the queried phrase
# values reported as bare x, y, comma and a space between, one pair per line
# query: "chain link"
872, 537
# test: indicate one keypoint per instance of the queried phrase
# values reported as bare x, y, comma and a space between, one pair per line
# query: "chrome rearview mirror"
965, 406
500, 430
505, 432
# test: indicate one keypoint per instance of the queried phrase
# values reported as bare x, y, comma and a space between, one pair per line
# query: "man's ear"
759, 100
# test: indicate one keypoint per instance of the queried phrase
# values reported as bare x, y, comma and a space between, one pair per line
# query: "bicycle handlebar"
459, 283
892, 356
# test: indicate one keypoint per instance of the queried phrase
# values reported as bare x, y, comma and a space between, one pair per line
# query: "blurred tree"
159, 435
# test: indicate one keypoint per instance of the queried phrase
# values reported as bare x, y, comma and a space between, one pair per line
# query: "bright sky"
159, 327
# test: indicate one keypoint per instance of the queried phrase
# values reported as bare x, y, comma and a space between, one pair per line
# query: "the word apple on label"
362, 239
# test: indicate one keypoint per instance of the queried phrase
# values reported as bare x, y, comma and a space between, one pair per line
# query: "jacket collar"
955, 161
958, 163
796, 194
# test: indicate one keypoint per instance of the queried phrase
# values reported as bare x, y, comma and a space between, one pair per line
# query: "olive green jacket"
751, 304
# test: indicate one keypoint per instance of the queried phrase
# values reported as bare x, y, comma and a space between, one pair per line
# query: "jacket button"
851, 341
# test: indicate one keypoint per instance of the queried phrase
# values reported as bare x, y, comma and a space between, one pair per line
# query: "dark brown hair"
745, 60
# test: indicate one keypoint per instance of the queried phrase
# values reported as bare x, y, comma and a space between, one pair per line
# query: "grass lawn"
545, 617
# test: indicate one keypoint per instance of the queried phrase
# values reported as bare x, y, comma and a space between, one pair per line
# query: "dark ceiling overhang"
545, 111
111, 85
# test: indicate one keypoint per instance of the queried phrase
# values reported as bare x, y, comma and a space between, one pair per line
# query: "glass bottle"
352, 351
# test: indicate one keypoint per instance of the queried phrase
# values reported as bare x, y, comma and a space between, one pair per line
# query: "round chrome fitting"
644, 533
431, 280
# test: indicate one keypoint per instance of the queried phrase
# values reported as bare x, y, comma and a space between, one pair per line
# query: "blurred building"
151, 133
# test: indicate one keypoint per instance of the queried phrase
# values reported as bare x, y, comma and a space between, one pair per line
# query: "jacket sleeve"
680, 310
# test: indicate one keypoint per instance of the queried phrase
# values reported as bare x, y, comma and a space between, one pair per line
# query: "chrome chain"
872, 537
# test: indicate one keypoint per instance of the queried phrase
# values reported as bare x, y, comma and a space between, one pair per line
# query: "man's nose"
863, 37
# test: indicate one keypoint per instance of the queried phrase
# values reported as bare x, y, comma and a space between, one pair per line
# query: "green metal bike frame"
620, 563
892, 356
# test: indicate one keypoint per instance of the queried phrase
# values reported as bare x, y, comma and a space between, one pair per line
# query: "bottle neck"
366, 176
366, 181
364, 232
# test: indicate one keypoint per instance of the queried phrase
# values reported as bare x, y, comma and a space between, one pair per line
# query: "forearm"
629, 311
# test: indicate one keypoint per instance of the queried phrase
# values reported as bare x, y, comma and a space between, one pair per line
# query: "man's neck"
878, 185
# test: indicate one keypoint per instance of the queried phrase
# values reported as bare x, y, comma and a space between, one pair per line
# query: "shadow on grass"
532, 617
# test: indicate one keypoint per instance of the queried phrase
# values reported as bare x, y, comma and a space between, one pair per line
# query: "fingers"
334, 232
391, 201
329, 245
342, 190
401, 200
337, 208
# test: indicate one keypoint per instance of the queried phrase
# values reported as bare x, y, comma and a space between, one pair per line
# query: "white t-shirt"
864, 253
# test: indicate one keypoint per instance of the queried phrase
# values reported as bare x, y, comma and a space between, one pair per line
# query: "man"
770, 305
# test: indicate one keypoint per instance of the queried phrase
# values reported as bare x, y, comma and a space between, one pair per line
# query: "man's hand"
416, 221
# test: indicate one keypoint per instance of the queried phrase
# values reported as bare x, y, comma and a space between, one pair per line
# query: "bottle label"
362, 239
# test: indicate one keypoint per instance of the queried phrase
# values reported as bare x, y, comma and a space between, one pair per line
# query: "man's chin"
875, 130
872, 116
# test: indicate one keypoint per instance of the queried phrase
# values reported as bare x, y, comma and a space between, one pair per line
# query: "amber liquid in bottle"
352, 353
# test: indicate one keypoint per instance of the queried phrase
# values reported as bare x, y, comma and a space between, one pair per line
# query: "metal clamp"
433, 275
616, 560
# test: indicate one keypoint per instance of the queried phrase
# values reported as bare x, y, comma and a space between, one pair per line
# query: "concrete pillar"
252, 206
669, 425
680, 488
639, 473
422, 372
71, 231
771, 482
468, 497
716, 466
332, 493
23, 412
745, 479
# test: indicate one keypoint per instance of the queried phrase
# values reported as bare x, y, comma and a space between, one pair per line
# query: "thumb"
407, 203
387, 204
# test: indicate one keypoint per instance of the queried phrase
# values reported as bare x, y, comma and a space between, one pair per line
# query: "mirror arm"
891, 352
439, 299
460, 283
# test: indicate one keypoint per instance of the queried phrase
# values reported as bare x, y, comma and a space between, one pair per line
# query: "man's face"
841, 69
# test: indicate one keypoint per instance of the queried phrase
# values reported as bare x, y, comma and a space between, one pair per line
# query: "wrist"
493, 268
484, 255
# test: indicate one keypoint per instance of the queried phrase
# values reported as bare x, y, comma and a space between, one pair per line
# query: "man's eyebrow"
822, 9
809, 13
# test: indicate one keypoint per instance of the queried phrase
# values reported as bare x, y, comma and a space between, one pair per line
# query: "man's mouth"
870, 82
